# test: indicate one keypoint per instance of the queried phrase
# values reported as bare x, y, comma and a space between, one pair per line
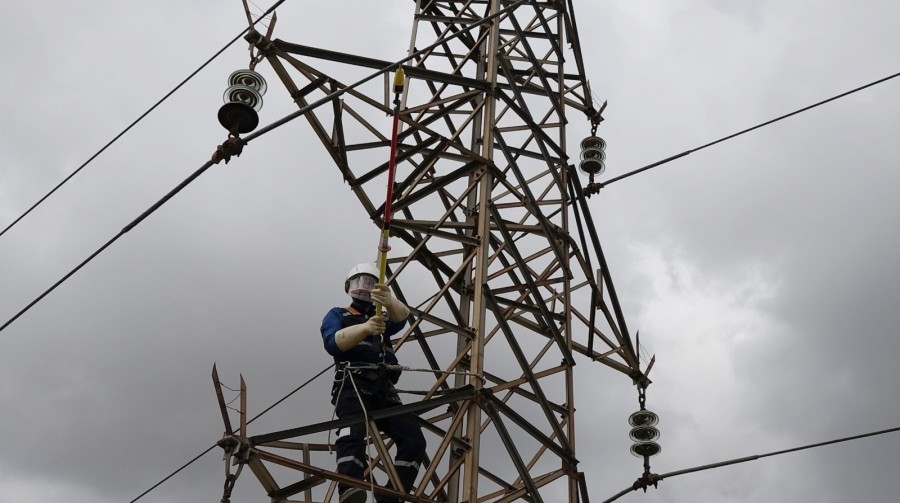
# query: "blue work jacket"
369, 350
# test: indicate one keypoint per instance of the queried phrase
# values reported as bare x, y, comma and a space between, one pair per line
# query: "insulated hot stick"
383, 246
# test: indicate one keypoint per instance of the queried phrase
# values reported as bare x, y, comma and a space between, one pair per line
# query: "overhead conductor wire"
720, 140
213, 446
752, 458
139, 119
280, 122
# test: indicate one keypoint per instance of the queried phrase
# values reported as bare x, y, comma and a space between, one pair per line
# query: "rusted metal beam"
352, 59
464, 393
220, 397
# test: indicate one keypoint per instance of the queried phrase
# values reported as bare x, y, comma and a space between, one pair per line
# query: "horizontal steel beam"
464, 393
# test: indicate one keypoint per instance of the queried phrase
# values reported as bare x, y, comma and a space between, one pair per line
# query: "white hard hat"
361, 279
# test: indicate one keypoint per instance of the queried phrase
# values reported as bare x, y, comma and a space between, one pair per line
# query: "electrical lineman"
359, 339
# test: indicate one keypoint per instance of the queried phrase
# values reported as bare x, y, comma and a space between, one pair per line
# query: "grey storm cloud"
761, 271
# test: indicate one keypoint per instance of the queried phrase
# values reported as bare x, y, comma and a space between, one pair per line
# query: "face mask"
361, 287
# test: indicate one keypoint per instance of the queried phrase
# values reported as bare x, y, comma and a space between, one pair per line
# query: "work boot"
352, 495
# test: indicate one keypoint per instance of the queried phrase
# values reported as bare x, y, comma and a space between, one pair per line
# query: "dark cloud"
760, 271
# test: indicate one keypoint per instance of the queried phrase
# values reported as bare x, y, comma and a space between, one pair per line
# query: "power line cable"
752, 458
600, 185
237, 143
139, 119
189, 463
213, 446
121, 233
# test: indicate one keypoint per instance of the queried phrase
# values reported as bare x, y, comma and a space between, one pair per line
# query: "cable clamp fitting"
647, 479
231, 147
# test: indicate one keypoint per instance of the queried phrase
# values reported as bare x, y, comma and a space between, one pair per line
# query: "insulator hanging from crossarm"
243, 99
248, 78
243, 94
644, 433
593, 155
643, 418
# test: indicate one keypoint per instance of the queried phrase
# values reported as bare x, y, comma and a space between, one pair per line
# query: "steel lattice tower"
494, 248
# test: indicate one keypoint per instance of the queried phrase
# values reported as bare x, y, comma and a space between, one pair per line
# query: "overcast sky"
762, 271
